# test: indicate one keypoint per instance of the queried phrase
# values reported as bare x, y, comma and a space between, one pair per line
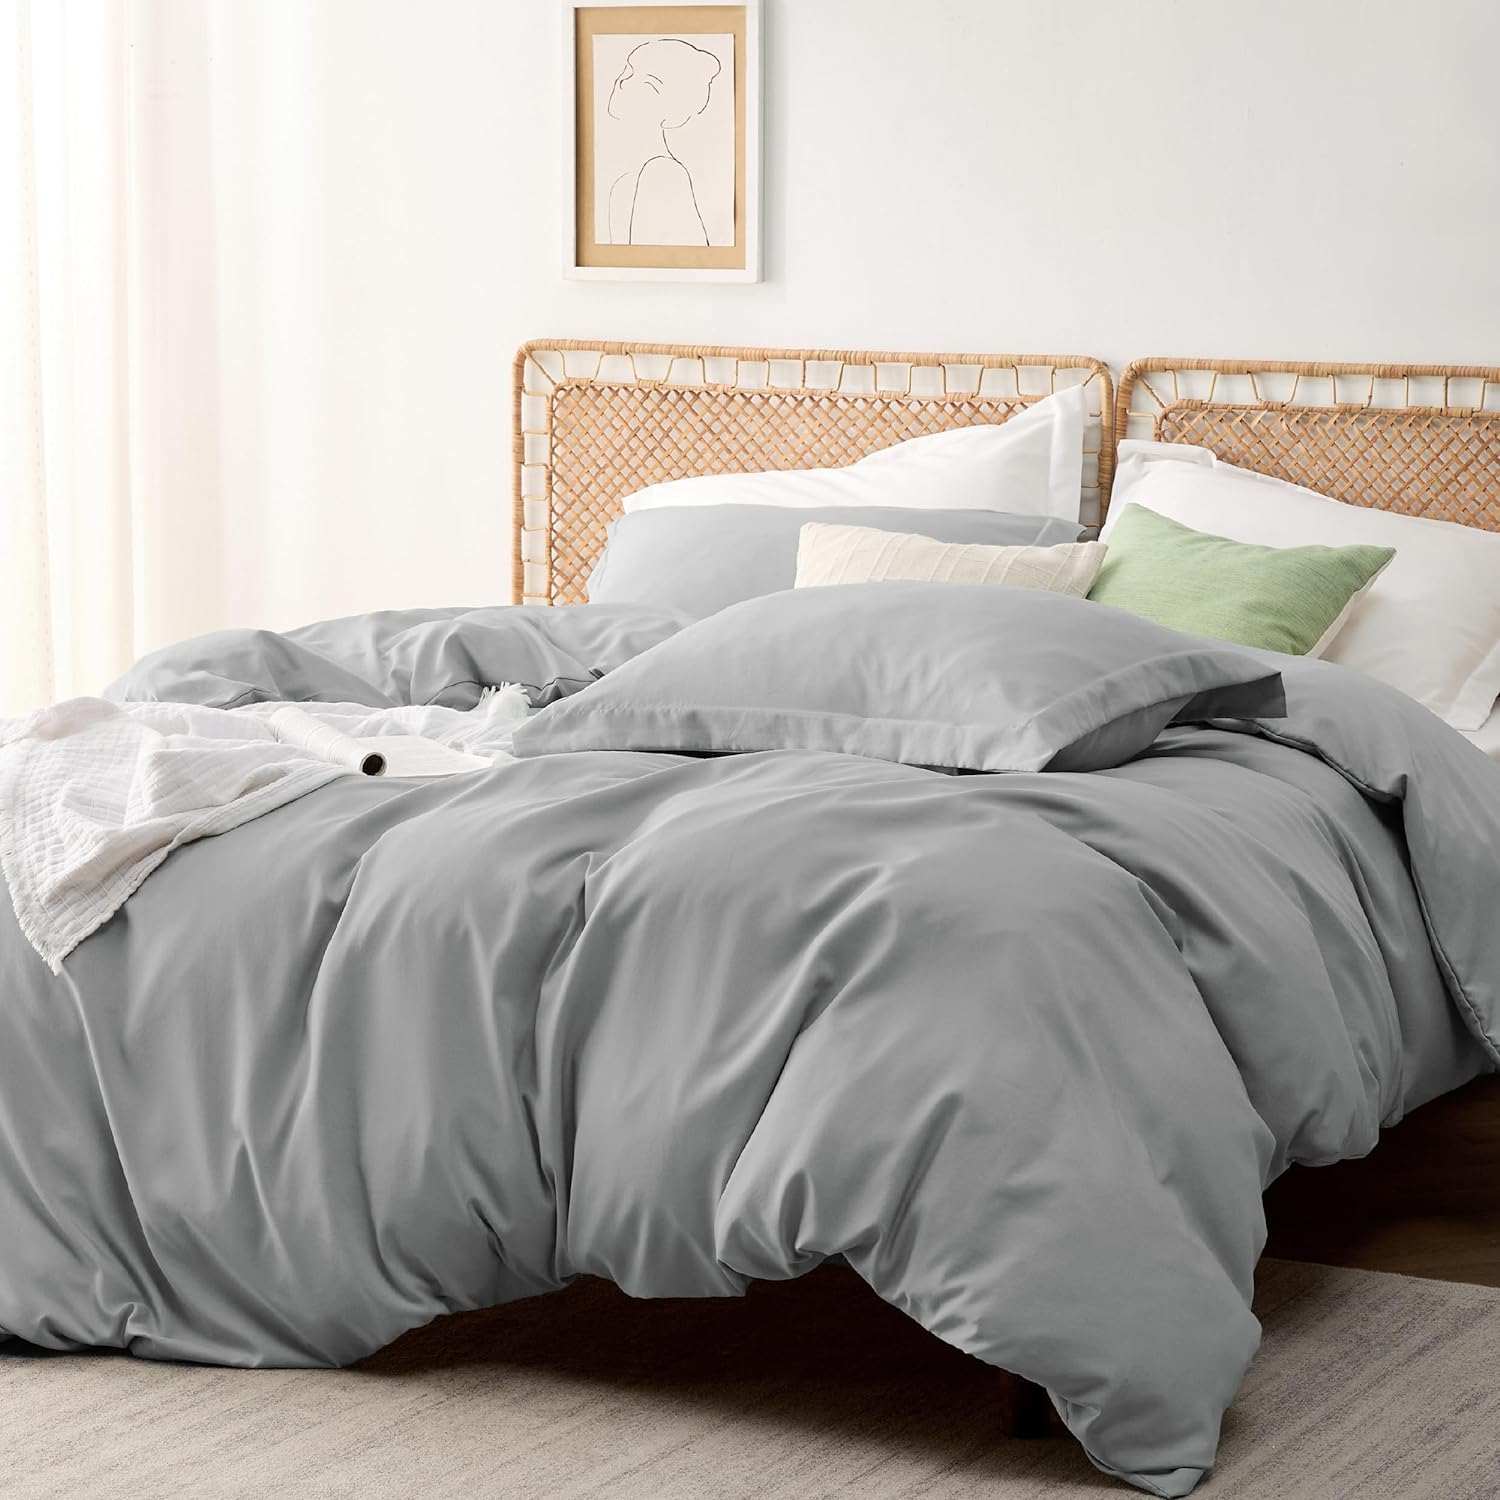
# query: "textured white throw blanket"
94, 795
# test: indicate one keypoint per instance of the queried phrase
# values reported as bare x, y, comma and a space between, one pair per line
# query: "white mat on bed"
94, 795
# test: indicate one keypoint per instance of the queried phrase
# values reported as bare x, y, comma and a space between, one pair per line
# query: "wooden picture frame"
662, 140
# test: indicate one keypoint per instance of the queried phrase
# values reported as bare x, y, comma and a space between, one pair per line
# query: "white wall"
1265, 177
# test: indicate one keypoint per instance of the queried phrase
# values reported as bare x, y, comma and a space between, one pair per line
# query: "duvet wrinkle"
241, 1166
199, 1242
337, 909
301, 1117
558, 1145
1312, 904
1166, 1169
131, 1243
1480, 1023
892, 1247
1345, 840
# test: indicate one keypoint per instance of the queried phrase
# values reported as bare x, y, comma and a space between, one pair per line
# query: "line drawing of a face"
665, 83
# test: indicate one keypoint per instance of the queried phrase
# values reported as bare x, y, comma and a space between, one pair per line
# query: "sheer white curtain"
68, 320
252, 357
136, 274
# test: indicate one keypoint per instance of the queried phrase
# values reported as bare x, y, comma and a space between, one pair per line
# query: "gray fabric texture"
1022, 1049
951, 676
396, 656
702, 558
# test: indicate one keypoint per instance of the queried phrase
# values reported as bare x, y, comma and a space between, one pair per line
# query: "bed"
698, 990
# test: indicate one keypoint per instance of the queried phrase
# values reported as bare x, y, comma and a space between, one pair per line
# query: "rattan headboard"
1420, 439
596, 421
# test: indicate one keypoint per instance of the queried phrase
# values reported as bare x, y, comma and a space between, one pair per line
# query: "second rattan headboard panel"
1420, 439
597, 421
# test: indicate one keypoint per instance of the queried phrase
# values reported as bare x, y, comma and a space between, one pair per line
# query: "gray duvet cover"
1024, 1049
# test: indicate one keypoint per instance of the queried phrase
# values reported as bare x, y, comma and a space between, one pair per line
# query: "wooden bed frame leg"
1026, 1410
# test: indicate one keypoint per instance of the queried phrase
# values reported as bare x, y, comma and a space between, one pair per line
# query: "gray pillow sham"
701, 558
942, 675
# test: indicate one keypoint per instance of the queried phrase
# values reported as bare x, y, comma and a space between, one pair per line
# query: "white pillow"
1031, 465
1429, 624
863, 554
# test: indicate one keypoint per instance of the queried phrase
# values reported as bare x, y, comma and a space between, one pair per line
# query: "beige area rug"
1367, 1386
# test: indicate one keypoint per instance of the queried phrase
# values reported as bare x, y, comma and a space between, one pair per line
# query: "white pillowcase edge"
1063, 411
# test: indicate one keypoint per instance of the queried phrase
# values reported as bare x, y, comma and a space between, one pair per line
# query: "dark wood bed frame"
1426, 1202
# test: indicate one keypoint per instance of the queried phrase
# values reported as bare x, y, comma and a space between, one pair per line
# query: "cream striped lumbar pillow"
861, 554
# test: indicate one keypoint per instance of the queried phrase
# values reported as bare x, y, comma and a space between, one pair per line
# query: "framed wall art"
661, 140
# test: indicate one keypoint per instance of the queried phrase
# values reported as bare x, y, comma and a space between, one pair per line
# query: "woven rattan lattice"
596, 421
1420, 439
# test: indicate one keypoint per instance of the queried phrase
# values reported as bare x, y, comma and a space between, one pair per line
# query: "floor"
1368, 1387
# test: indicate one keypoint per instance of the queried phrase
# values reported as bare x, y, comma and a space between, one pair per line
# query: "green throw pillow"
1280, 598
